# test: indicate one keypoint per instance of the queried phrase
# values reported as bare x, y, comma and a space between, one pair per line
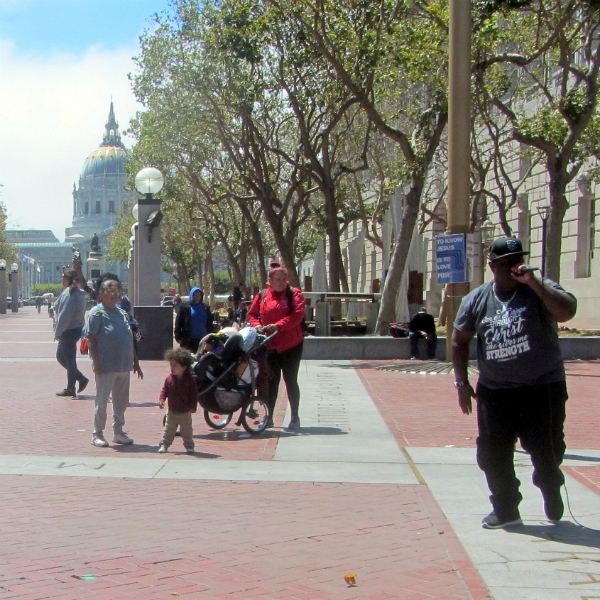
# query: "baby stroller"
226, 375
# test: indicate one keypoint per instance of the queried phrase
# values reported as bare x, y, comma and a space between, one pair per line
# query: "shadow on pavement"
235, 435
583, 458
144, 448
565, 533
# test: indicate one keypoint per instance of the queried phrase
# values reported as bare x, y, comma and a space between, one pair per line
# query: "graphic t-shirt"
517, 340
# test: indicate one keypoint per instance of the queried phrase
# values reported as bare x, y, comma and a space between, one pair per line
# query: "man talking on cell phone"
521, 392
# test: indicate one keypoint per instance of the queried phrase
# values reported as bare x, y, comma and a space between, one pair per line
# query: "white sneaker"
121, 438
99, 441
162, 449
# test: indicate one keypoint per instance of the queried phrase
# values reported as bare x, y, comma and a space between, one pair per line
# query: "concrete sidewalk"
380, 481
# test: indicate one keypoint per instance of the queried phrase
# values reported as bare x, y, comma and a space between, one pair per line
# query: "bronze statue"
94, 243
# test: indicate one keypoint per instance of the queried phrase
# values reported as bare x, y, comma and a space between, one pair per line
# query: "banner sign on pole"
451, 258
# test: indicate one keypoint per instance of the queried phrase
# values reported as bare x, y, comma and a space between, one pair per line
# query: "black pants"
535, 415
288, 363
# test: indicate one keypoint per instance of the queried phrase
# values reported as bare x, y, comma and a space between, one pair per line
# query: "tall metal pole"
459, 147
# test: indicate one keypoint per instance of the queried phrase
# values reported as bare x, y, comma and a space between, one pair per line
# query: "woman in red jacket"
281, 309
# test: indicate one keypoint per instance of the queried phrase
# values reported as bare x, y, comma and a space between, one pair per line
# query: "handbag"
83, 346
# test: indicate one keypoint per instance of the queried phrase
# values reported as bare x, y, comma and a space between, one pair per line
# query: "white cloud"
53, 115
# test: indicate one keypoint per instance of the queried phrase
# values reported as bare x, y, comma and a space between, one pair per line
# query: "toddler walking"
181, 393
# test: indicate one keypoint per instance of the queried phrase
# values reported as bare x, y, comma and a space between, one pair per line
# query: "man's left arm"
560, 304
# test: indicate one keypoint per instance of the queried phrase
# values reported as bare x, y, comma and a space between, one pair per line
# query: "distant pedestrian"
521, 392
111, 348
180, 393
177, 303
193, 321
238, 295
38, 303
422, 325
69, 318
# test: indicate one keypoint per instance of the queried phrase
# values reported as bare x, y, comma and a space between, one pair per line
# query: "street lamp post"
156, 322
149, 182
14, 280
2, 286
544, 212
488, 232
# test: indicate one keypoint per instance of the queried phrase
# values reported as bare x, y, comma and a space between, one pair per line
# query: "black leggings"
288, 363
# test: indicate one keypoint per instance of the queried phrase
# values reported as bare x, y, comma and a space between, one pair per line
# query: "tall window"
98, 207
111, 206
87, 208
586, 240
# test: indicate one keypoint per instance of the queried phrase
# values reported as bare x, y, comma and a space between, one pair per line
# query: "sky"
61, 63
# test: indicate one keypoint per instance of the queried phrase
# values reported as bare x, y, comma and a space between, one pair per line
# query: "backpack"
290, 298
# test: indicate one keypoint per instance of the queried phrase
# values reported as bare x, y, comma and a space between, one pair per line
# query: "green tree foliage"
7, 250
536, 75
391, 56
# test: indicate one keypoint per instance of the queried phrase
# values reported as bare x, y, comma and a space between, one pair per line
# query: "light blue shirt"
113, 337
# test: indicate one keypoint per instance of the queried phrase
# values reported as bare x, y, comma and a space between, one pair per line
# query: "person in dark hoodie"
193, 321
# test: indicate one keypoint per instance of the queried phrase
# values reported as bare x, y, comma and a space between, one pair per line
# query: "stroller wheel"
255, 416
217, 420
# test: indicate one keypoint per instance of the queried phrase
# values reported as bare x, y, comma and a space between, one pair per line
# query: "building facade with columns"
580, 258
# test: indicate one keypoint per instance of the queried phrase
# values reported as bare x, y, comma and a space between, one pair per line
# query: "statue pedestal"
156, 325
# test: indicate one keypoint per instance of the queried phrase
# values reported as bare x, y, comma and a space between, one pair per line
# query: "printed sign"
451, 258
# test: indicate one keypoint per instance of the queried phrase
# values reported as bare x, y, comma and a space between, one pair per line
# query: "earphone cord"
571, 512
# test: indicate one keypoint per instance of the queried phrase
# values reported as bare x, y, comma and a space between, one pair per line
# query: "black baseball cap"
506, 246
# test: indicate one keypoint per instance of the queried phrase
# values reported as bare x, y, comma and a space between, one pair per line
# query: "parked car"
9, 302
168, 301
30, 301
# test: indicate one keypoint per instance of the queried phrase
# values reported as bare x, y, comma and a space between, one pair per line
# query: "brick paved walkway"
112, 538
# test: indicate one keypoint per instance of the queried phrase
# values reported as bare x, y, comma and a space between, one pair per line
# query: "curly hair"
180, 356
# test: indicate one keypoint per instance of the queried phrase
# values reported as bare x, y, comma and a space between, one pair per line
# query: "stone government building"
97, 201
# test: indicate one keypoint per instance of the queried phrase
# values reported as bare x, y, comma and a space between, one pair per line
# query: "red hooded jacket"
274, 308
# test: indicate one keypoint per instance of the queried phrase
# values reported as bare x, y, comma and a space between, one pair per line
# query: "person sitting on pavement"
422, 325
113, 355
193, 321
180, 392
69, 318
521, 392
281, 309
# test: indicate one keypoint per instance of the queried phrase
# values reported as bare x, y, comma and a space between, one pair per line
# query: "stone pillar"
14, 281
2, 291
147, 256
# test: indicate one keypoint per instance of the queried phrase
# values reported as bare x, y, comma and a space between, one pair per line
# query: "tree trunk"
183, 279
210, 276
398, 262
554, 233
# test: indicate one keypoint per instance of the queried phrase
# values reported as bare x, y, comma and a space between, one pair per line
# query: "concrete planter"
384, 348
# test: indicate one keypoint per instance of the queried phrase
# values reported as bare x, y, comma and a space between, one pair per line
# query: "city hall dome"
105, 160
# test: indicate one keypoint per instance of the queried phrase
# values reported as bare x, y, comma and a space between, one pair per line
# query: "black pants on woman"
288, 363
534, 414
